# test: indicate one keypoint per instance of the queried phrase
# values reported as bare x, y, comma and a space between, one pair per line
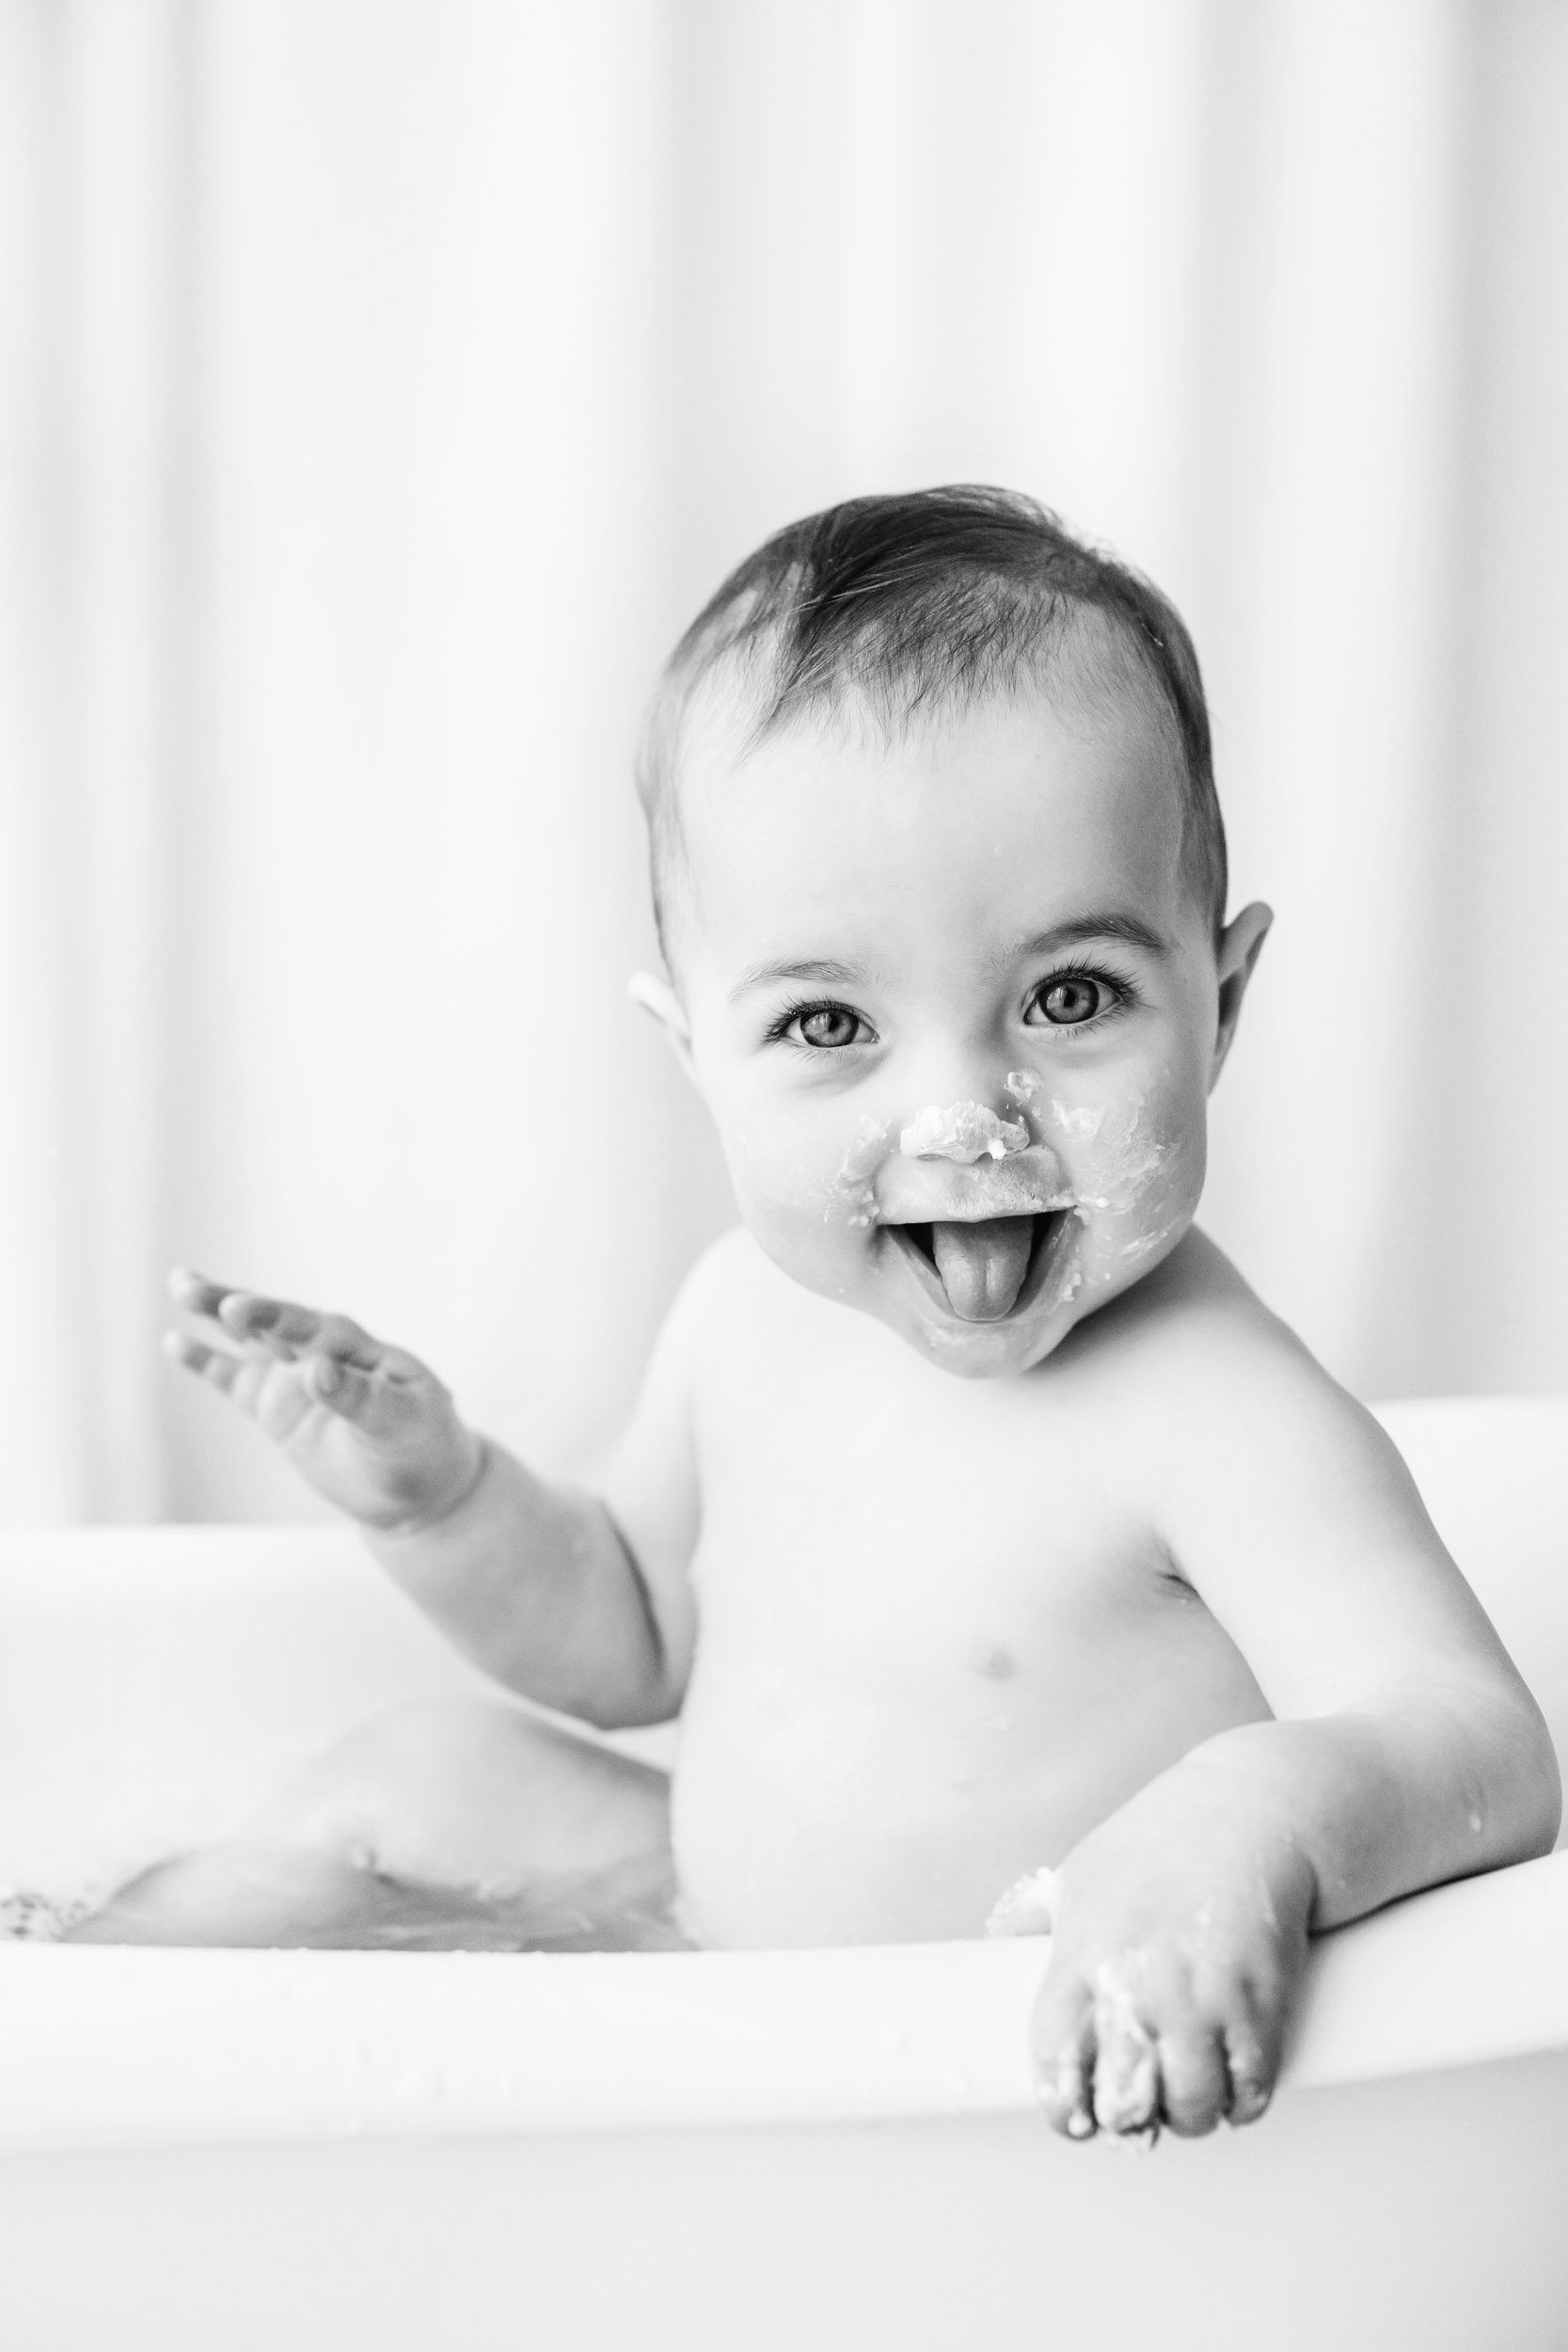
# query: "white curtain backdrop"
382, 383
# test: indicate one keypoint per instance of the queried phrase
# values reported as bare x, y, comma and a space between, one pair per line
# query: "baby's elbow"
1548, 1817
1527, 1779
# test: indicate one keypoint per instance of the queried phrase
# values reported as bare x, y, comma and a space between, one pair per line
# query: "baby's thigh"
472, 1793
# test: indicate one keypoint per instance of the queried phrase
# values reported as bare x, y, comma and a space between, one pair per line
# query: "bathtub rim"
106, 2046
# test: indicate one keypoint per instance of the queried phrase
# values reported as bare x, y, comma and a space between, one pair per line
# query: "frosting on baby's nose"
963, 1130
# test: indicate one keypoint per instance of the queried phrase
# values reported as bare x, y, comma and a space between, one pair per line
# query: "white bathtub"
815, 2151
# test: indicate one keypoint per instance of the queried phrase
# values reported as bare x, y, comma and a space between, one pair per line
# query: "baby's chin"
983, 1351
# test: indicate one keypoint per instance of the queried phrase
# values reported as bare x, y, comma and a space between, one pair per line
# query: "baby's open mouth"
982, 1266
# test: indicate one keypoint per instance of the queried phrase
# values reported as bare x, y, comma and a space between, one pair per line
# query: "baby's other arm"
565, 1598
1405, 1750
579, 1599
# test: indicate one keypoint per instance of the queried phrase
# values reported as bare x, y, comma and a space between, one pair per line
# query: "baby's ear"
656, 996
1241, 944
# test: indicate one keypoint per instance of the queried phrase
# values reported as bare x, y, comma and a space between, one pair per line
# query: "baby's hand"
1175, 1951
366, 1426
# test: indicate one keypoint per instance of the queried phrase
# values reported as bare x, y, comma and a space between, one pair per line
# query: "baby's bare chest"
959, 1528
939, 1637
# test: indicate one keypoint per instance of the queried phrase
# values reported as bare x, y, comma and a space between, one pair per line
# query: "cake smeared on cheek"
1136, 1176
852, 1188
1123, 1158
1134, 1169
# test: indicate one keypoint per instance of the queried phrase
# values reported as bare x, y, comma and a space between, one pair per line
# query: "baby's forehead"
979, 823
734, 750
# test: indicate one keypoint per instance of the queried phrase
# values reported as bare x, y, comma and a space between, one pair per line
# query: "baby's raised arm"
570, 1599
1405, 1750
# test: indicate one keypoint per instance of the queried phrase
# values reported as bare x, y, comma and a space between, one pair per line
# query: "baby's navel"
996, 1663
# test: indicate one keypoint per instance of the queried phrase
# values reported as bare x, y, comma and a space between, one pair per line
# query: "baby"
975, 1516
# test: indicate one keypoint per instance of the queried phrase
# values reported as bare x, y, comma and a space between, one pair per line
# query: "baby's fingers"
229, 1314
255, 1382
338, 1384
1253, 2050
195, 1295
215, 1364
1195, 2079
278, 1322
1063, 2039
280, 1325
1127, 2080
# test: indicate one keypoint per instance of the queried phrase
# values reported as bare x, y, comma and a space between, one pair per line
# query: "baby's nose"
963, 1130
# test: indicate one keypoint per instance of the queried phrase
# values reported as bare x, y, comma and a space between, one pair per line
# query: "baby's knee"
374, 1775
463, 1790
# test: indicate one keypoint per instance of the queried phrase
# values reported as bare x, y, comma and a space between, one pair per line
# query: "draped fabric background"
385, 382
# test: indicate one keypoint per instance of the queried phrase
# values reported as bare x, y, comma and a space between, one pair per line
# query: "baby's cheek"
1137, 1170
807, 1197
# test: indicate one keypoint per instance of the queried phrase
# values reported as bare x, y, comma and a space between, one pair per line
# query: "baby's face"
956, 1010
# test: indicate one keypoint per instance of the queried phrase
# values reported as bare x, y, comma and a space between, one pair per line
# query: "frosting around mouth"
992, 1225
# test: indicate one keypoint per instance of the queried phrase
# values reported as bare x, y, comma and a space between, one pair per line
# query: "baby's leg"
478, 1800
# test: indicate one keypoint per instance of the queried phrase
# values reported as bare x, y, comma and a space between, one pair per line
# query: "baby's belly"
805, 1813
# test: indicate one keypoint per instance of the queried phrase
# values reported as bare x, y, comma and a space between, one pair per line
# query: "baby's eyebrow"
825, 974
1078, 929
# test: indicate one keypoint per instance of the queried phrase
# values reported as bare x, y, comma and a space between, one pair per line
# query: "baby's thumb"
335, 1384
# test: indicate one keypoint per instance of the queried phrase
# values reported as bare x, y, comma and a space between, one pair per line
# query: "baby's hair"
926, 600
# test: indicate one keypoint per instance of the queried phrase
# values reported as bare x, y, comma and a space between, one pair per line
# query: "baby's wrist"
449, 1497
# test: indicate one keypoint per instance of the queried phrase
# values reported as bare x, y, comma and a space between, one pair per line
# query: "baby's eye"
1073, 998
827, 1026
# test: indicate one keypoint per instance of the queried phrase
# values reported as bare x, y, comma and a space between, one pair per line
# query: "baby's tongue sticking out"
982, 1265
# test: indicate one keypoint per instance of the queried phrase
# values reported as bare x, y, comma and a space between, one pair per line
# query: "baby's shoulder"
1195, 1340
1220, 1384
